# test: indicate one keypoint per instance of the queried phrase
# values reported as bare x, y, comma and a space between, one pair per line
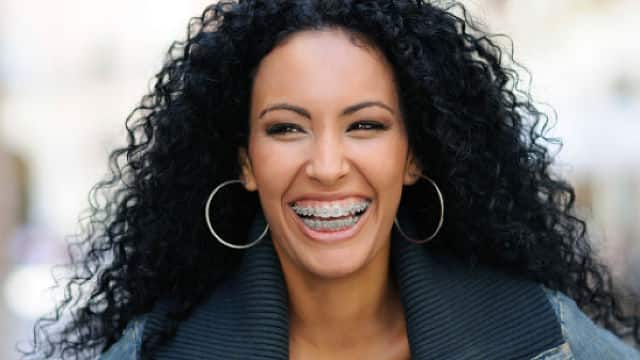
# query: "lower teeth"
336, 224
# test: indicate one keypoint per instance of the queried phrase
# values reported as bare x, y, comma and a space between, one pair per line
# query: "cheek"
381, 160
274, 166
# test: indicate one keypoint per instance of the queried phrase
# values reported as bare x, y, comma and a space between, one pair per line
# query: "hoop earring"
422, 241
213, 232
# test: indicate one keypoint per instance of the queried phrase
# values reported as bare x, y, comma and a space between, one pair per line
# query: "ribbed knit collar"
451, 312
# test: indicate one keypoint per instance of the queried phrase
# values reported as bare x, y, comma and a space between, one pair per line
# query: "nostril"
326, 174
327, 163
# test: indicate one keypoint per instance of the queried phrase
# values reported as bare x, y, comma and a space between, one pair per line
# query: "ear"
412, 170
247, 170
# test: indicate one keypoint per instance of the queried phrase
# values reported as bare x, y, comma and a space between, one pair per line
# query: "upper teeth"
332, 210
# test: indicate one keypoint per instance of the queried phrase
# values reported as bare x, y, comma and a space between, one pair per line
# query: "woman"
398, 200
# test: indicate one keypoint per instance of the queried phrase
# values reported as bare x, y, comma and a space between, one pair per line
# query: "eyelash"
282, 129
368, 125
292, 128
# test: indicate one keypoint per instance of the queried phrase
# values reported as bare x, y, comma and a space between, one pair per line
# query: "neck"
346, 312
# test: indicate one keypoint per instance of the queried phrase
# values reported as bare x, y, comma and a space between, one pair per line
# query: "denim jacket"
451, 314
583, 339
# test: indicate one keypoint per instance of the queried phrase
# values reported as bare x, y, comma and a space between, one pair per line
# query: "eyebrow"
347, 111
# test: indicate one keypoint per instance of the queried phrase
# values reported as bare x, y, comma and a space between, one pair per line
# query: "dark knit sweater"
451, 312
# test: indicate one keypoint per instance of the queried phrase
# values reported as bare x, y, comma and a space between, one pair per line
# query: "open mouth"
331, 217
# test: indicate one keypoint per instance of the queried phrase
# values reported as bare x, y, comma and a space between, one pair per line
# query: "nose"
327, 161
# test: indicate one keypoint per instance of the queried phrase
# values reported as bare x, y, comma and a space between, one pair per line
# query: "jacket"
452, 312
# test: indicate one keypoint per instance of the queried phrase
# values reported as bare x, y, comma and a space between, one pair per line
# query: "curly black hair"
483, 138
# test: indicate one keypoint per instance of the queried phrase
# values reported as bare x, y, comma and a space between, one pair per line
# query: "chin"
334, 263
335, 268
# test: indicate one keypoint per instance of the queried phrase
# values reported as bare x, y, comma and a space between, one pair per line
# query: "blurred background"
71, 71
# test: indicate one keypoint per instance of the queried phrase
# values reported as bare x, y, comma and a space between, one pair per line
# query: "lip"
333, 236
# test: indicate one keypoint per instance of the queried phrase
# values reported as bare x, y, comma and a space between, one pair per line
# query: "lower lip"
331, 236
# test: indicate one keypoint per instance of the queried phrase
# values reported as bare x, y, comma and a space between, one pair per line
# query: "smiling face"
328, 152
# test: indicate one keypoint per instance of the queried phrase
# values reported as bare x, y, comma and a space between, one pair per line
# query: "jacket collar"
452, 312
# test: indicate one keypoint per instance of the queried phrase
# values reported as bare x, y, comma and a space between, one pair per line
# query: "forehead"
324, 68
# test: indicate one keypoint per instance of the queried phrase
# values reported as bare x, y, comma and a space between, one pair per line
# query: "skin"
342, 301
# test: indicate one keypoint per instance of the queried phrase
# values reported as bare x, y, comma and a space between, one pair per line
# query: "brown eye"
367, 125
284, 128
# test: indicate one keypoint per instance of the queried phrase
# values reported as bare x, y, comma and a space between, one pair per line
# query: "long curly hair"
482, 137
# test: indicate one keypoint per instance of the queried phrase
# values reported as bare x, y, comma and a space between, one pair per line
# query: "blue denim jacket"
583, 339
451, 313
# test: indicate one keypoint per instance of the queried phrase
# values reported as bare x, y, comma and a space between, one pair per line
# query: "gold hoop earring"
422, 241
213, 232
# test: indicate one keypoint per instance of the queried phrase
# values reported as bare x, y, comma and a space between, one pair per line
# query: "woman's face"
327, 153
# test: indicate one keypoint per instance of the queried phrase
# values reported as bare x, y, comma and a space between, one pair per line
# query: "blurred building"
584, 63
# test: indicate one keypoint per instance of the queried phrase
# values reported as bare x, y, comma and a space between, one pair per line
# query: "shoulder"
128, 346
586, 339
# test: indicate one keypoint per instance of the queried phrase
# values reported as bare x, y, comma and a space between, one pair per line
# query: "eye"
284, 128
367, 125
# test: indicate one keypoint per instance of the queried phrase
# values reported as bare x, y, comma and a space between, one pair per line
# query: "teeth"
333, 210
337, 224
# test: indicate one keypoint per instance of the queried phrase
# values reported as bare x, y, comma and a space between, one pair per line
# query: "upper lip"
328, 196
